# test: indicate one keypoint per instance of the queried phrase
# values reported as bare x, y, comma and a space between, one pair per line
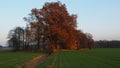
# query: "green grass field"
14, 59
95, 58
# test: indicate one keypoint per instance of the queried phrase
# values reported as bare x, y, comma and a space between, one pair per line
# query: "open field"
15, 59
95, 58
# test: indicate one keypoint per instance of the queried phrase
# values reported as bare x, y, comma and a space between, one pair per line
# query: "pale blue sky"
101, 18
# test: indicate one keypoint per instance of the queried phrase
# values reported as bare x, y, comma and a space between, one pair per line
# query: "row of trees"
50, 28
107, 44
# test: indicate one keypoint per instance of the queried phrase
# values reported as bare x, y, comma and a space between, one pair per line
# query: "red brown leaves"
57, 27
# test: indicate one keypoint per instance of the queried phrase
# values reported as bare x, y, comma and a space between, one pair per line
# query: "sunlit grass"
95, 58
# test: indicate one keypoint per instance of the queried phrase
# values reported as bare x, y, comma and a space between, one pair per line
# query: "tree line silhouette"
107, 44
49, 28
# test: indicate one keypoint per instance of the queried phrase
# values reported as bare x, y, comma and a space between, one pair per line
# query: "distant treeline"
107, 44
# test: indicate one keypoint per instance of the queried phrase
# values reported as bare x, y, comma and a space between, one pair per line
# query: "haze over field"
101, 18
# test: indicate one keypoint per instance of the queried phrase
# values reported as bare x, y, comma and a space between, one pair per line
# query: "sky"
101, 18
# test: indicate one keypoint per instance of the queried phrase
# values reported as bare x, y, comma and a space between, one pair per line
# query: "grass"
95, 58
13, 59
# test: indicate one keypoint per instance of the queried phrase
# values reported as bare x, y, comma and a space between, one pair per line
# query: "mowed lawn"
95, 58
15, 59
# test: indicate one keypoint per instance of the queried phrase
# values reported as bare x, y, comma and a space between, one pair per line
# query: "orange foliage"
58, 27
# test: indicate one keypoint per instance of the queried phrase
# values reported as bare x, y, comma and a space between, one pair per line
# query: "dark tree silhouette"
16, 38
107, 44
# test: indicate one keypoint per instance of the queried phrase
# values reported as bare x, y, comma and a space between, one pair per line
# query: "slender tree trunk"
38, 44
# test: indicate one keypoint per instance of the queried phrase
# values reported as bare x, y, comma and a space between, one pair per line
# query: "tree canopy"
52, 27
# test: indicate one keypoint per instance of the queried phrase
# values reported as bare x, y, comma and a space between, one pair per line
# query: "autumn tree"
90, 41
27, 37
53, 24
50, 28
53, 27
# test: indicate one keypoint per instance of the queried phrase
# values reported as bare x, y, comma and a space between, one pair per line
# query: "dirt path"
33, 63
